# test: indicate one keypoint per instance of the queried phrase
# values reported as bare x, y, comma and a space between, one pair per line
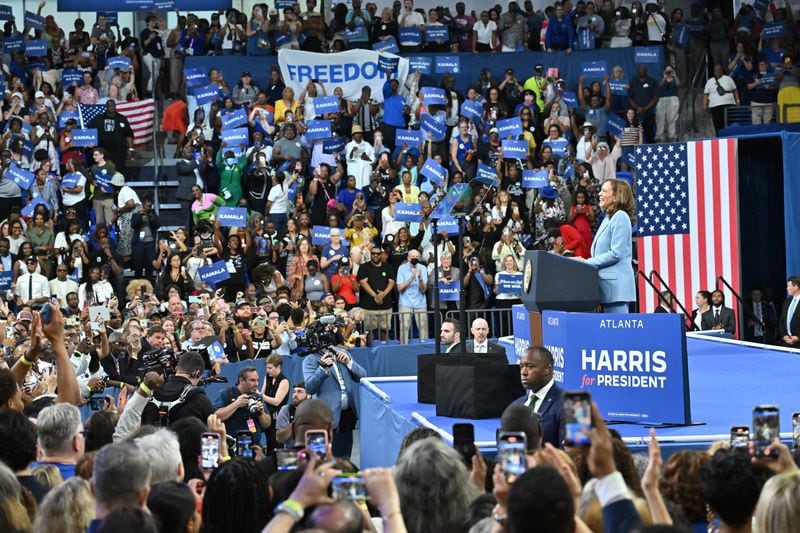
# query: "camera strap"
164, 407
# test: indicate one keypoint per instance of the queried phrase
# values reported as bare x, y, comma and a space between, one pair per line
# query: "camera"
320, 334
254, 404
163, 362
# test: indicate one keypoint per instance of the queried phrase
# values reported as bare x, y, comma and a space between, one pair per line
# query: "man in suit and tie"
789, 322
450, 334
544, 396
664, 303
718, 316
762, 319
480, 340
332, 378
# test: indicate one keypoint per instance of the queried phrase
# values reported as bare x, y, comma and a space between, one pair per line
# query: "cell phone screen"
740, 436
796, 430
512, 450
348, 487
209, 451
244, 443
766, 428
464, 441
317, 442
577, 418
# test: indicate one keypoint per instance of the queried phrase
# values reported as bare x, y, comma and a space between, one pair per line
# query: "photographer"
242, 407
331, 377
180, 396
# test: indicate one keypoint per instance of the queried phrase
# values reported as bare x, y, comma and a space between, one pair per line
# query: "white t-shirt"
125, 194
714, 98
72, 198
279, 198
485, 32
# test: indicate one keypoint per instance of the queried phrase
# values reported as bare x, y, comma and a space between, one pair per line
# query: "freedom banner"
214, 273
351, 70
635, 368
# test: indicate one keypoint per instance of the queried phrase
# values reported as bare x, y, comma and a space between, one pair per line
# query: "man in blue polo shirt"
393, 106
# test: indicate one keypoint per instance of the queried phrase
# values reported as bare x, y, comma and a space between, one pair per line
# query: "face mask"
414, 261
230, 161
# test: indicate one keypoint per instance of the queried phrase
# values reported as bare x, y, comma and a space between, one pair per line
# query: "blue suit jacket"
550, 414
611, 254
324, 386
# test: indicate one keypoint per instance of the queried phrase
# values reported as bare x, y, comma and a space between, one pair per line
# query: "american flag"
138, 112
688, 218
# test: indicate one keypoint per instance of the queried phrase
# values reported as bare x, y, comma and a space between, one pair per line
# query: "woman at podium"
612, 247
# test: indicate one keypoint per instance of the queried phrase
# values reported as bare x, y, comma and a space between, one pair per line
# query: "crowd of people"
98, 295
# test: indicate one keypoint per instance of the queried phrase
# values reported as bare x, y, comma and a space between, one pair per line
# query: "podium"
475, 391
552, 282
428, 384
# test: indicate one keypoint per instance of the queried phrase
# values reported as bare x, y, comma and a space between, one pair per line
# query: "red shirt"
347, 289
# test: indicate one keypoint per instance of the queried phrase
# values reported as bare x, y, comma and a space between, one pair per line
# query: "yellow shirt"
409, 197
281, 109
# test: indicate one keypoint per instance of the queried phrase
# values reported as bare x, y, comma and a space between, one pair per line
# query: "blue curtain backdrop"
569, 65
791, 201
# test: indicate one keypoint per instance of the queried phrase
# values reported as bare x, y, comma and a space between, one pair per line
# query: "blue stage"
727, 379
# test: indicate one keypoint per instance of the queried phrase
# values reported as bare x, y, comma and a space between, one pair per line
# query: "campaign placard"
13, 44
615, 124
437, 129
111, 17
534, 179
389, 45
214, 273
436, 32
6, 12
470, 109
509, 283
447, 63
32, 20
448, 224
234, 120
207, 94
509, 127
410, 36
433, 171
357, 34
321, 235
774, 30
423, 64
235, 138
486, 175
412, 138
232, 217
6, 276
164, 5
324, 105
195, 76
434, 95
103, 181
570, 98
407, 212
647, 54
84, 138
559, 146
634, 366
119, 62
618, 86
69, 181
20, 176
594, 70
28, 210
388, 63
514, 149
70, 76
317, 130
450, 292
333, 146
35, 48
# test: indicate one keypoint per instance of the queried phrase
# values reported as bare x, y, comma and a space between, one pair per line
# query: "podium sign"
634, 365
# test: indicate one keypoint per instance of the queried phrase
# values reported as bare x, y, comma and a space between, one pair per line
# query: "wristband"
292, 508
225, 459
24, 361
145, 389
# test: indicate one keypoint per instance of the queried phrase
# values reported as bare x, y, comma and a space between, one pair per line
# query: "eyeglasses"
276, 317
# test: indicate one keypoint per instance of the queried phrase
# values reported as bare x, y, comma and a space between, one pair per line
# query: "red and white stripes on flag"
688, 218
140, 116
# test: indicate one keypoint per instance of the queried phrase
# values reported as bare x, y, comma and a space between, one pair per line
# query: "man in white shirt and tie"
543, 394
62, 285
719, 317
789, 322
480, 339
32, 289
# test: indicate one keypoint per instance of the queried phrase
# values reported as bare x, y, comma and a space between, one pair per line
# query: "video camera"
320, 334
163, 362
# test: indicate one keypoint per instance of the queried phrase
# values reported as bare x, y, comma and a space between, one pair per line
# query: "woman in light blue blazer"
612, 247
